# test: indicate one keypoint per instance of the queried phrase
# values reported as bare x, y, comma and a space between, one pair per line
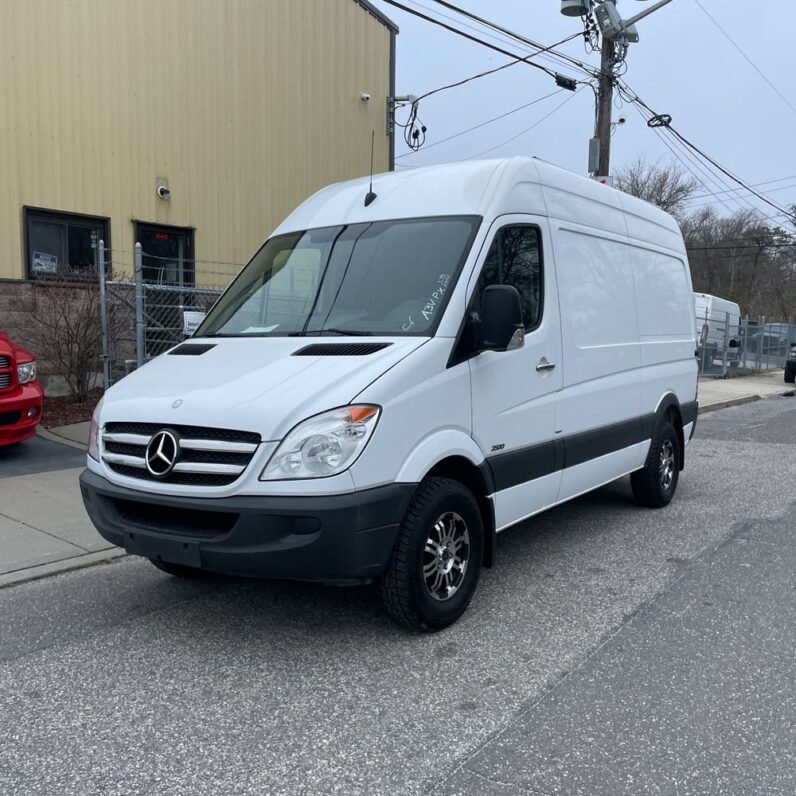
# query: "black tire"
446, 510
654, 485
790, 376
178, 570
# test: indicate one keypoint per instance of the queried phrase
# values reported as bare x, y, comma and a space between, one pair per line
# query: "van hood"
251, 384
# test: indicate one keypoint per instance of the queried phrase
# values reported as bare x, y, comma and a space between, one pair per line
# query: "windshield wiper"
345, 332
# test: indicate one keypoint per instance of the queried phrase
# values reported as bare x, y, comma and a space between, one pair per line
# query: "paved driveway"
38, 455
612, 650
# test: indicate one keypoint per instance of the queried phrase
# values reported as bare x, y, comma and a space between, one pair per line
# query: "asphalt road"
611, 650
37, 455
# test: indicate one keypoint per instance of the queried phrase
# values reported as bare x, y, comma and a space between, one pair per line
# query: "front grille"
207, 456
181, 521
196, 432
5, 372
9, 418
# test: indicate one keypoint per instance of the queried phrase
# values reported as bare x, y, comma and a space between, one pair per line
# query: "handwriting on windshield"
431, 303
435, 299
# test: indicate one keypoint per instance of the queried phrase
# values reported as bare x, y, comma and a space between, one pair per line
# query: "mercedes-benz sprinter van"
394, 380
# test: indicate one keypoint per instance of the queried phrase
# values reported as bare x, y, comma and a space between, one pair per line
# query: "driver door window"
515, 258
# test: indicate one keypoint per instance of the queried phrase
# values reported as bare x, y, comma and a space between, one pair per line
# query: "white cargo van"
718, 328
392, 381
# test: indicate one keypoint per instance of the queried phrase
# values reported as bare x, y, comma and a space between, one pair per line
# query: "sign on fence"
191, 321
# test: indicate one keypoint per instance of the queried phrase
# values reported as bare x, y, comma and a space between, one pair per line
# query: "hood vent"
191, 349
340, 349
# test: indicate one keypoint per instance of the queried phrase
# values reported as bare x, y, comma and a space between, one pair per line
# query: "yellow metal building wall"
244, 108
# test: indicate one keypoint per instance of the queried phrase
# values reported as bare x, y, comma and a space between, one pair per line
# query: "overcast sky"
682, 66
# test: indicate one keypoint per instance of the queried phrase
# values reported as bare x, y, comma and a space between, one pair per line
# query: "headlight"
26, 372
93, 433
324, 445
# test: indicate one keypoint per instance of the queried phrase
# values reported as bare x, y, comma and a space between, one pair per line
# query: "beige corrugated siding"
244, 107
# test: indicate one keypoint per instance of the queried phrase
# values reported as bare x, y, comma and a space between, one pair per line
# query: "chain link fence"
150, 306
729, 345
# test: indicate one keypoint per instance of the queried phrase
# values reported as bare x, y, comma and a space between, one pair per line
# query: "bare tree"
66, 331
668, 187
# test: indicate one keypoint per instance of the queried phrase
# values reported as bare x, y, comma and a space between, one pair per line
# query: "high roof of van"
488, 188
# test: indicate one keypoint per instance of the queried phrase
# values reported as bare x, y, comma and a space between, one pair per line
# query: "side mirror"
501, 323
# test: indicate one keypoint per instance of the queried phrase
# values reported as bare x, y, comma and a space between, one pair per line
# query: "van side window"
515, 258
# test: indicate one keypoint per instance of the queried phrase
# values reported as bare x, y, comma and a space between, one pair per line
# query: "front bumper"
15, 425
328, 538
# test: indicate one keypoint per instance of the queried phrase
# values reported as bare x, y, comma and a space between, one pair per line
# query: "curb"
745, 399
51, 436
59, 567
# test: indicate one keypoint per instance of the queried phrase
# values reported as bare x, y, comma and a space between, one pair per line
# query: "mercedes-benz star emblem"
161, 454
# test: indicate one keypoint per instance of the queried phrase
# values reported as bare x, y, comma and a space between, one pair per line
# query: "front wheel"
436, 561
654, 485
790, 376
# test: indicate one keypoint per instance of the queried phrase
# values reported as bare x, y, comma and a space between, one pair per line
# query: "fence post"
743, 334
106, 359
140, 354
704, 338
726, 345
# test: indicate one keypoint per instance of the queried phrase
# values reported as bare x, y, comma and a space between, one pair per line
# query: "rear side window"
515, 258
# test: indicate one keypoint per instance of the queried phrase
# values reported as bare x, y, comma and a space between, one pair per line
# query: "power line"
754, 185
548, 55
516, 61
527, 129
633, 97
447, 27
770, 190
695, 169
745, 56
484, 124
518, 37
731, 247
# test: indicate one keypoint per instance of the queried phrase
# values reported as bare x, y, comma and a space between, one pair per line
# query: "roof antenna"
370, 197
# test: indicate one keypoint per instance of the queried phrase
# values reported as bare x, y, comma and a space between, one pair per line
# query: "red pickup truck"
21, 395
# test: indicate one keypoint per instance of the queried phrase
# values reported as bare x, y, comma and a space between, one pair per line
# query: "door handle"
544, 365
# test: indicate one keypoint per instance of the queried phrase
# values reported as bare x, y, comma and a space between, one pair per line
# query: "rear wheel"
790, 376
654, 485
178, 570
436, 561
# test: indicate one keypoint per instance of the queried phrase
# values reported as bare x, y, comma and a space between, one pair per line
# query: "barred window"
62, 244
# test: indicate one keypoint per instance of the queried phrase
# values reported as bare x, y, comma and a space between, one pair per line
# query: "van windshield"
380, 278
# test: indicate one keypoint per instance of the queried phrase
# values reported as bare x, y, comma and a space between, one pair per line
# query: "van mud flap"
173, 551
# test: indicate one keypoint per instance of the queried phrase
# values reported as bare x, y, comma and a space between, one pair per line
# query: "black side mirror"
501, 323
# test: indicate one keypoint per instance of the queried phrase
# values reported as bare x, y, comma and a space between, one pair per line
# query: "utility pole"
605, 104
613, 29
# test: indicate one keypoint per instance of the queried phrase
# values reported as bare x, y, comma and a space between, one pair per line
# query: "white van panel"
524, 500
663, 292
650, 224
587, 476
598, 314
417, 404
601, 354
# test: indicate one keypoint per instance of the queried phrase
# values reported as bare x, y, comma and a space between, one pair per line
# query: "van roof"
488, 188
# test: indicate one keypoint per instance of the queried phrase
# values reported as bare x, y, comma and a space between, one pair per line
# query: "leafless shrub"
65, 328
